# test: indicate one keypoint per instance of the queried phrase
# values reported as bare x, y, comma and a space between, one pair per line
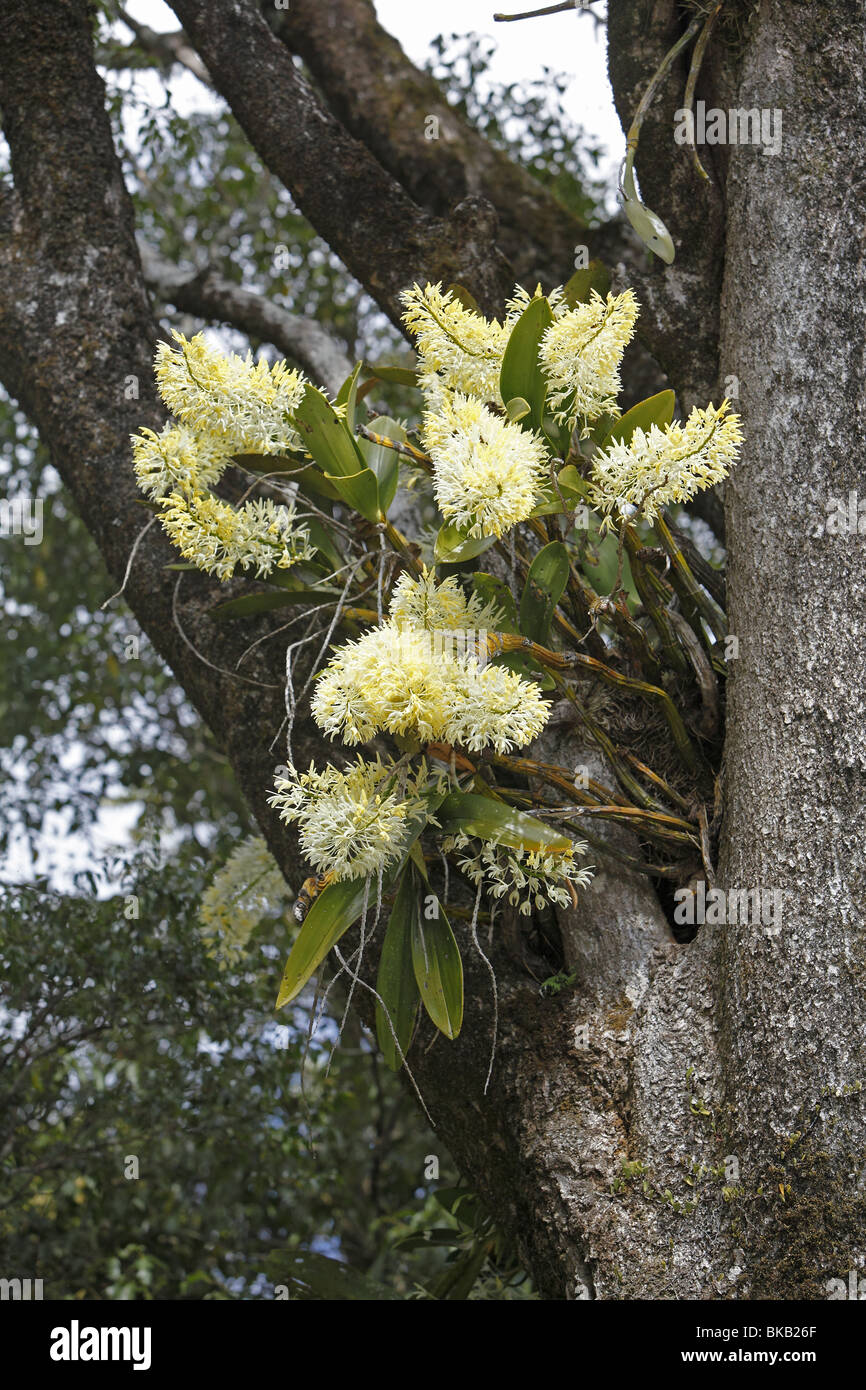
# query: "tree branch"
680, 315
384, 238
168, 49
209, 295
76, 334
400, 114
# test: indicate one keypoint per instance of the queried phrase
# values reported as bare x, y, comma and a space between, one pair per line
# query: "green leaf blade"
545, 585
396, 984
330, 916
325, 435
360, 490
655, 410
381, 460
487, 819
453, 545
521, 375
438, 970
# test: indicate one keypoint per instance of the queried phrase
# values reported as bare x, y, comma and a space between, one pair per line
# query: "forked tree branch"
385, 239
168, 48
400, 114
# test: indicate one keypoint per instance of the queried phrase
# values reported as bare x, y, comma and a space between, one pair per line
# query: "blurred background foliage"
155, 1138
120, 1034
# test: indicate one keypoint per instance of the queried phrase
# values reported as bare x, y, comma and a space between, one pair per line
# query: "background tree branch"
209, 295
168, 48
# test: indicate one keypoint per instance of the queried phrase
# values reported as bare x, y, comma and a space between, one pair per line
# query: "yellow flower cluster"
247, 404
531, 878
240, 894
458, 349
354, 823
226, 405
218, 538
658, 467
404, 678
439, 606
177, 458
488, 471
581, 353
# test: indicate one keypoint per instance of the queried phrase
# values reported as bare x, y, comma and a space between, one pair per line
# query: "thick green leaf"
401, 376
384, 462
579, 288
360, 490
308, 575
573, 490
517, 409
462, 295
601, 428
651, 229
438, 970
318, 1278
605, 572
456, 1280
347, 395
326, 436
655, 410
570, 481
453, 545
320, 538
261, 603
493, 820
521, 373
545, 585
416, 854
330, 916
557, 434
337, 908
451, 1199
396, 984
550, 504
312, 482
448, 1236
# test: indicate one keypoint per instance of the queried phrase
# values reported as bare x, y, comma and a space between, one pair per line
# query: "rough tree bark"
689, 1122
